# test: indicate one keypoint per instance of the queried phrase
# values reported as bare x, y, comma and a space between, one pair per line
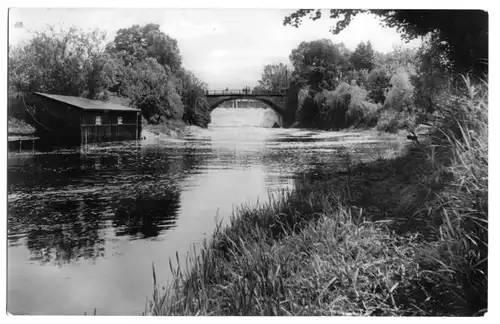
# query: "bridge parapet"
246, 93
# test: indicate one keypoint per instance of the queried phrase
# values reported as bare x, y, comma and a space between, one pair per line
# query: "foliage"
68, 61
142, 65
192, 91
198, 114
400, 94
137, 43
363, 57
377, 84
357, 77
335, 106
391, 121
152, 89
399, 58
275, 77
462, 34
361, 112
317, 63
433, 78
346, 106
462, 126
307, 110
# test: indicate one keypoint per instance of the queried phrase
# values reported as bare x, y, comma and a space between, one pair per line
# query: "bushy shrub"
152, 89
335, 106
364, 114
345, 106
391, 121
358, 95
333, 109
308, 110
377, 84
400, 94
360, 77
198, 113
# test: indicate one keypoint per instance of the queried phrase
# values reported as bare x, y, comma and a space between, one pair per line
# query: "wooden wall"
60, 124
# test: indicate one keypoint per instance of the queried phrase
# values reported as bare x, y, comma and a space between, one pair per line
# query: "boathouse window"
98, 120
120, 120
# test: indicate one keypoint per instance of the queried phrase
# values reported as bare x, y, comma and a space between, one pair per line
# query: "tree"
140, 42
192, 91
68, 61
462, 34
151, 88
317, 63
399, 58
142, 64
275, 77
345, 62
433, 77
363, 57
377, 85
400, 94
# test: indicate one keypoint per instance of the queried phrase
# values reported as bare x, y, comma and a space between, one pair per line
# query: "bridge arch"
276, 106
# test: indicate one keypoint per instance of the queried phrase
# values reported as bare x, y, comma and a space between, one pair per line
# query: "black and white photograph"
220, 161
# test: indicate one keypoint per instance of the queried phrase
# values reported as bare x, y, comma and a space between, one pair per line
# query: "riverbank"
171, 128
401, 236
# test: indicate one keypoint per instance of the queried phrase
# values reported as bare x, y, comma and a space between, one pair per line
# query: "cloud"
218, 53
186, 30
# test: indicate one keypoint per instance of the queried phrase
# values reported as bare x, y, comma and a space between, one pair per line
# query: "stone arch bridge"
275, 100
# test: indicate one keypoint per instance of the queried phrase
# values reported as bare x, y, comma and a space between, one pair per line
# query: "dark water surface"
85, 225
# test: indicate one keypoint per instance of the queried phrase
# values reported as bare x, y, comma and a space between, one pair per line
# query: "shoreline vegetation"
140, 67
396, 237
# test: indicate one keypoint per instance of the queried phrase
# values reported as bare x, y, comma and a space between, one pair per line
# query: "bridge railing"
242, 93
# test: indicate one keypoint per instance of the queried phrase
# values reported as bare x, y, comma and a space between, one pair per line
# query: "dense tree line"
342, 88
462, 35
142, 65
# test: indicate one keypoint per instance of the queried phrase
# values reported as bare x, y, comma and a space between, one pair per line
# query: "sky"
223, 47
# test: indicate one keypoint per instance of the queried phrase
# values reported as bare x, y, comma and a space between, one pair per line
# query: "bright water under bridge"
275, 100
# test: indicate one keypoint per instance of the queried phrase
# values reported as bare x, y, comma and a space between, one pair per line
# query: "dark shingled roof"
87, 104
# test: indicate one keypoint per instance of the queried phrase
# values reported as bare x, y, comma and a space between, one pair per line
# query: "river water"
85, 225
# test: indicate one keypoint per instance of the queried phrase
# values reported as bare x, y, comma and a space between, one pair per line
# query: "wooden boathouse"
75, 120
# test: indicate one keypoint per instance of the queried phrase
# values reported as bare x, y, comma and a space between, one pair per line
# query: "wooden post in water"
137, 127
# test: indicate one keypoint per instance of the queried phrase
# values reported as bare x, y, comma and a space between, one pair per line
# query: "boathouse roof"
86, 104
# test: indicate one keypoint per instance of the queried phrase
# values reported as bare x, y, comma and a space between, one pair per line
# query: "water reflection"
62, 203
57, 230
146, 216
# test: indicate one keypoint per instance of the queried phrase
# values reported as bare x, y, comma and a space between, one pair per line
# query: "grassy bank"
172, 128
405, 236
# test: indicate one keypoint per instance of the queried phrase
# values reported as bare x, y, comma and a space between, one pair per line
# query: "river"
85, 225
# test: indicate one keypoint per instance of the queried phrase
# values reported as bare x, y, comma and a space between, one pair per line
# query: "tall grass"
337, 264
462, 130
406, 236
